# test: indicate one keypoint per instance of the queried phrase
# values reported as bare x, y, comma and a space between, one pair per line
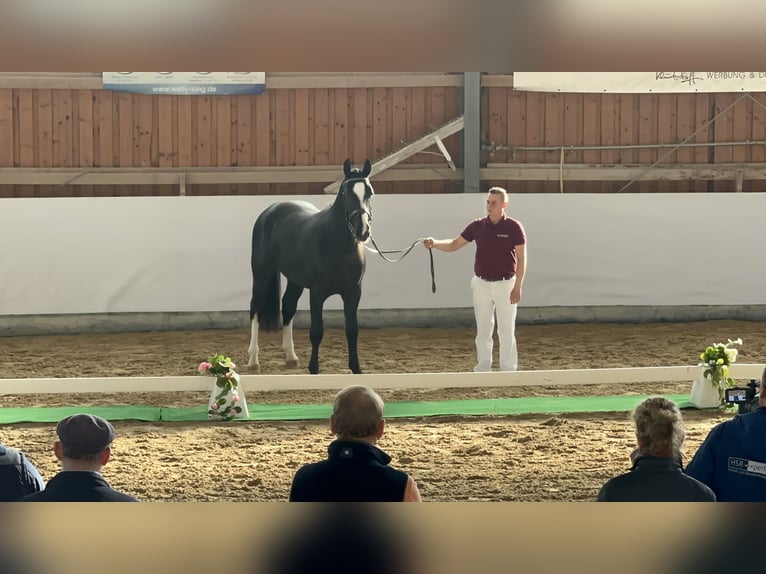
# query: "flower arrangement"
223, 403
716, 359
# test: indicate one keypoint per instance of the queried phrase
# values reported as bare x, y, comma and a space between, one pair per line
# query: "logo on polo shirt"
748, 467
503, 235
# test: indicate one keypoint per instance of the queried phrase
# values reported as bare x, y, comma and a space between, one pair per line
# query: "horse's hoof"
314, 370
256, 367
291, 363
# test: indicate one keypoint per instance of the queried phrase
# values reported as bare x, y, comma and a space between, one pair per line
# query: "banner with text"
186, 83
640, 82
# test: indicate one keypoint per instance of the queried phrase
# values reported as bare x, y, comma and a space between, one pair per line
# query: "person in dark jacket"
657, 475
356, 470
83, 448
732, 458
18, 476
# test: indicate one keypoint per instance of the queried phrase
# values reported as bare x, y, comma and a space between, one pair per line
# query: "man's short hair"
499, 191
84, 436
357, 412
660, 425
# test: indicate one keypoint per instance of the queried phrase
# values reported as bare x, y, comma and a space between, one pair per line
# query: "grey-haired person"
656, 474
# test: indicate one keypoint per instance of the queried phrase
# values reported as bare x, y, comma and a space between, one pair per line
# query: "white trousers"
492, 298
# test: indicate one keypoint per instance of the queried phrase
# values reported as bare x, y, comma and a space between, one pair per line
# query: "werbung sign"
640, 82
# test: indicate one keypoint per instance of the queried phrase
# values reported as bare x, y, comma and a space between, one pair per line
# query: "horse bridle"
362, 211
357, 212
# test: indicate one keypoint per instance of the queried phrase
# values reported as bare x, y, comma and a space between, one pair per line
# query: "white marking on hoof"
252, 351
291, 359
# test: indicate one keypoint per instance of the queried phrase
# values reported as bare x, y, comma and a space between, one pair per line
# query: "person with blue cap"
83, 448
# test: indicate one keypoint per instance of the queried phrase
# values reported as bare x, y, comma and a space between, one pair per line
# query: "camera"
746, 398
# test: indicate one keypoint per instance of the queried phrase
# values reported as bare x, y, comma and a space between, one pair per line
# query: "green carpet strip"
478, 407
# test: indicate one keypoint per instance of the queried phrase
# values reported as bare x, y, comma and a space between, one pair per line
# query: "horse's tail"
266, 282
265, 303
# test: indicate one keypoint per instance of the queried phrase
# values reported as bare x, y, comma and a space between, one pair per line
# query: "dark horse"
316, 250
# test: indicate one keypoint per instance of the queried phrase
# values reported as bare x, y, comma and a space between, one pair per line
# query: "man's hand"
515, 294
429, 242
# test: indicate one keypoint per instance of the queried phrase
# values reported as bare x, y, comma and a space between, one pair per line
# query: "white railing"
617, 376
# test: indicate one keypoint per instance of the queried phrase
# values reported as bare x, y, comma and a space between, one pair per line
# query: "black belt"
503, 278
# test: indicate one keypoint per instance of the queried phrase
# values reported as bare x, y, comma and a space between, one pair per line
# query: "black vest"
354, 471
78, 486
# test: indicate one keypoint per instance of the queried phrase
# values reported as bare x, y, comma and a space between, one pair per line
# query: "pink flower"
235, 398
232, 366
214, 406
229, 375
204, 366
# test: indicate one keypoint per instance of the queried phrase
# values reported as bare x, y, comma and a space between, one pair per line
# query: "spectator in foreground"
356, 470
83, 448
732, 458
656, 475
18, 476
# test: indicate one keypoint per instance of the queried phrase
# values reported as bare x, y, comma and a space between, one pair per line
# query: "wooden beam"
363, 80
52, 80
586, 172
497, 81
280, 80
209, 176
182, 184
409, 150
382, 171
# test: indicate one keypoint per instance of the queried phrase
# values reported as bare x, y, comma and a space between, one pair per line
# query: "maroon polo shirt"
495, 246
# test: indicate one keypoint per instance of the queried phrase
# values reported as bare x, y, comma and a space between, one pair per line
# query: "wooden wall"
533, 119
296, 126
282, 127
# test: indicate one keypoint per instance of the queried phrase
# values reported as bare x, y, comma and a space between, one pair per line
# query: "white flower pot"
704, 394
216, 406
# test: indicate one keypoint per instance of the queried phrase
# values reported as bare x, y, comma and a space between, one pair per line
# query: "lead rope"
404, 253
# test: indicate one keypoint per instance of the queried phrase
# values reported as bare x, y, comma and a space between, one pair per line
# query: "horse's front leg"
289, 306
317, 329
350, 306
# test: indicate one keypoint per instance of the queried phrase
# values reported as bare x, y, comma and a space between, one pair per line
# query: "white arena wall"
132, 263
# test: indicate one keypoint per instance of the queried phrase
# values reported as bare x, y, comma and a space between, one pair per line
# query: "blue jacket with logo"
732, 459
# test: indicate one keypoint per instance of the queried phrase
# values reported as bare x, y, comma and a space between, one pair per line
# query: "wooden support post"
561, 171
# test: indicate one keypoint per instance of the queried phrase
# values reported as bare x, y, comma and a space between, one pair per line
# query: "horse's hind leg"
293, 292
264, 309
350, 306
252, 350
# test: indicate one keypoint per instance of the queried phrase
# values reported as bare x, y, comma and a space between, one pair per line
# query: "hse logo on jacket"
732, 459
749, 467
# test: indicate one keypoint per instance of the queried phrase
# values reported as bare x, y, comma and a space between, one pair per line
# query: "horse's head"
356, 191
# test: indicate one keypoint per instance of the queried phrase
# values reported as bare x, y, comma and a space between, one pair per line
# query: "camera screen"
736, 395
